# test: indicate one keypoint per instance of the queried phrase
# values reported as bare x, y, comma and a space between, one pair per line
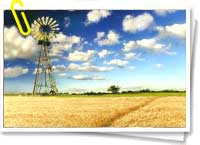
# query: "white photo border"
89, 5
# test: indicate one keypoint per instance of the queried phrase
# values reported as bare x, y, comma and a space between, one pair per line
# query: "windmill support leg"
35, 89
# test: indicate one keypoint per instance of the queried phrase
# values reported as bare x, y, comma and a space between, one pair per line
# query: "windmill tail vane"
44, 30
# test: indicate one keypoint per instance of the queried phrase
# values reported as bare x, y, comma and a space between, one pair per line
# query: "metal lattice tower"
44, 30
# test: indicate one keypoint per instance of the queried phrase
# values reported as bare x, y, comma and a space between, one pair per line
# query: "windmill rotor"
44, 28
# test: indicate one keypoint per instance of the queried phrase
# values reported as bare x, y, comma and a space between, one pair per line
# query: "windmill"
44, 29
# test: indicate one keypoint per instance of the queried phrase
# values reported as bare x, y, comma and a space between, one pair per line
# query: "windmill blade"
37, 34
46, 20
40, 37
50, 21
39, 21
33, 32
54, 22
35, 22
55, 29
34, 36
43, 21
34, 28
56, 25
51, 35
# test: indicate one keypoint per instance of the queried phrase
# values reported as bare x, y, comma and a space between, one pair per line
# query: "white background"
91, 138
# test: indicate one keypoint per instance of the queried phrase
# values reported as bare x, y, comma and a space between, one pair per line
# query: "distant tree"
114, 89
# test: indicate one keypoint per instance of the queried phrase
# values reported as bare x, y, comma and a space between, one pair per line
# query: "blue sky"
94, 49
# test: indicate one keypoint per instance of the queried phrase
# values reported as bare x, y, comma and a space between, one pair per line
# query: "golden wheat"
163, 112
94, 112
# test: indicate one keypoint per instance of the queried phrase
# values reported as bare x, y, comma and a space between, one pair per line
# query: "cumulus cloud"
86, 77
16, 46
164, 12
104, 53
117, 62
58, 68
88, 68
55, 68
12, 72
99, 35
95, 16
150, 44
85, 67
130, 55
67, 39
139, 23
130, 45
135, 56
110, 39
175, 30
63, 43
81, 56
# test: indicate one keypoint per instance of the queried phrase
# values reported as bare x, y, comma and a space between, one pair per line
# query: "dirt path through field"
129, 110
162, 112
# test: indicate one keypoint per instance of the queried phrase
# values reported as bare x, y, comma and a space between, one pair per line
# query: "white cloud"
66, 39
85, 67
164, 12
130, 55
130, 45
55, 68
135, 56
99, 35
110, 39
12, 72
62, 74
88, 68
95, 16
58, 68
177, 30
117, 62
86, 77
139, 23
63, 43
81, 56
159, 65
104, 53
150, 44
168, 50
16, 46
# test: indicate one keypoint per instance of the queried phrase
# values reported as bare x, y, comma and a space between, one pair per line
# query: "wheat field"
32, 111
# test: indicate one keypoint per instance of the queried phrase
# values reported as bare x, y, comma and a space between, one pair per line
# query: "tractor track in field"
130, 110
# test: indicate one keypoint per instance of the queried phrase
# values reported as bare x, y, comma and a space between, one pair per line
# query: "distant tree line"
113, 89
116, 90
